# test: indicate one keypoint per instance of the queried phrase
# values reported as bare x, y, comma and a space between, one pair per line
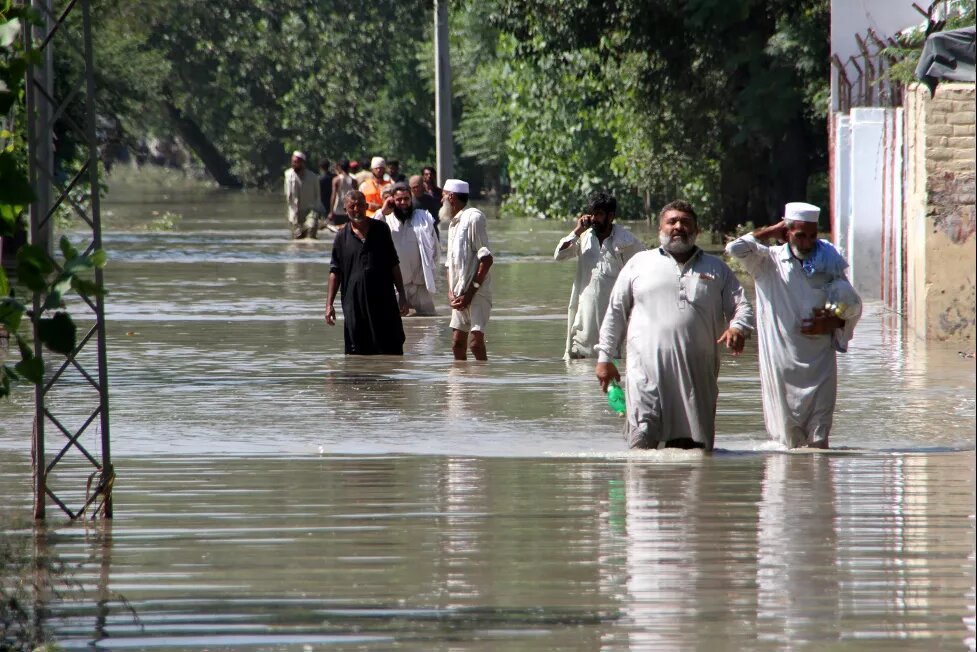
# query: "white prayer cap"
456, 185
378, 162
298, 154
801, 212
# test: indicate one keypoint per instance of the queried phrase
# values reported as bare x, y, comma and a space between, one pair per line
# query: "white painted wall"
864, 241
841, 189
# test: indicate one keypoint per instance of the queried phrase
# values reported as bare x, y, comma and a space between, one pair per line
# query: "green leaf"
8, 219
14, 185
33, 267
87, 288
31, 369
57, 333
67, 249
99, 258
56, 295
4, 283
6, 375
79, 263
11, 312
9, 31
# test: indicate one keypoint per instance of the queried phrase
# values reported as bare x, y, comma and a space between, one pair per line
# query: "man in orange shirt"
371, 188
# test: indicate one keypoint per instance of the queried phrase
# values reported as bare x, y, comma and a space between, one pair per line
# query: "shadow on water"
274, 494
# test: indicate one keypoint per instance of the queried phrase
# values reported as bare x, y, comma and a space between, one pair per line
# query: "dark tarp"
947, 55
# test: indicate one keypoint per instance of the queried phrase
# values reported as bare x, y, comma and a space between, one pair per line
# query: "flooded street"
273, 494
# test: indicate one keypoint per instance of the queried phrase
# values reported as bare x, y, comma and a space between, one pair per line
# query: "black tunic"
371, 315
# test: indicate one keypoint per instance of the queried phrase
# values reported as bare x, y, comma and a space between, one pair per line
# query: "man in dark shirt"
393, 169
424, 201
366, 270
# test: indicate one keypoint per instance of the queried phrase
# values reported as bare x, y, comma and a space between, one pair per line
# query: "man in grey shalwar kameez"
807, 312
677, 304
601, 249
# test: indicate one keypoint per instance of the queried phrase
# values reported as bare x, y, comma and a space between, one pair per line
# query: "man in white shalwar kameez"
469, 260
302, 198
677, 305
807, 311
601, 249
412, 231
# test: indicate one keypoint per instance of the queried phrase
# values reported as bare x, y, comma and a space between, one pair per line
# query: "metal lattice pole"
44, 111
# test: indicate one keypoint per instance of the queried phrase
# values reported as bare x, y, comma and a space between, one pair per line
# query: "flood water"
274, 495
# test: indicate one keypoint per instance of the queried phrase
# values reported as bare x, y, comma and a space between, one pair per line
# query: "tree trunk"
197, 140
742, 185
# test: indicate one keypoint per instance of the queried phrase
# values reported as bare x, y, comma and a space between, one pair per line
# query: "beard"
402, 214
602, 228
678, 244
800, 255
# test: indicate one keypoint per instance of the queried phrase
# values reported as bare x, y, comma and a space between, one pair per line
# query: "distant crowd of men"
317, 201
671, 309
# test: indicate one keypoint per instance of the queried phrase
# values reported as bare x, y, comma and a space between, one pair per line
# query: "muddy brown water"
274, 495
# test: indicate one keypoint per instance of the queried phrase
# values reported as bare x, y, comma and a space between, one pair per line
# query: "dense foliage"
35, 270
718, 101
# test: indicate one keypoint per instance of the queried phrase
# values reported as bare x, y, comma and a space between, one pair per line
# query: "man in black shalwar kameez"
366, 271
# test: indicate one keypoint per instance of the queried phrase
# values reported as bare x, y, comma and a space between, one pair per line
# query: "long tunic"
673, 314
371, 316
467, 243
598, 265
301, 194
417, 247
798, 373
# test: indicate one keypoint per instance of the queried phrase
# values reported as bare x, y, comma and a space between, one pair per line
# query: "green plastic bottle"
615, 397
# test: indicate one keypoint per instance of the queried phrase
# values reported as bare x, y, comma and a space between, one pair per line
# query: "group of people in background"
672, 308
316, 201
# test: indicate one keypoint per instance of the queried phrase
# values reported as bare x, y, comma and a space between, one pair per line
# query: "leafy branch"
35, 269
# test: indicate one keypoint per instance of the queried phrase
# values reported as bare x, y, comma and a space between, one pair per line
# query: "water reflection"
661, 551
798, 584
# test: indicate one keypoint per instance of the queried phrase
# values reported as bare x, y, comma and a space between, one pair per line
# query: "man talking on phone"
601, 249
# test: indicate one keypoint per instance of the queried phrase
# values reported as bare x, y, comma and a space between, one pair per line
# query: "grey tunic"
673, 315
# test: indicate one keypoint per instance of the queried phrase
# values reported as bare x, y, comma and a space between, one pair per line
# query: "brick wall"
940, 218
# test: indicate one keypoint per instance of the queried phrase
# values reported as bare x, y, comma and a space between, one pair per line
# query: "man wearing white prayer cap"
806, 314
372, 188
302, 198
469, 282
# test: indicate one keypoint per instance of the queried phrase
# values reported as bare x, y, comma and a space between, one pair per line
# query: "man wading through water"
677, 305
366, 270
469, 281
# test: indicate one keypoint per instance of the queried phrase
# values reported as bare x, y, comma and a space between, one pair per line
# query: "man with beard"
601, 249
807, 311
372, 187
412, 230
425, 201
302, 198
677, 305
365, 268
469, 280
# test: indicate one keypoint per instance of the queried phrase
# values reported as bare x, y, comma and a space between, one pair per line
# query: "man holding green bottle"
677, 305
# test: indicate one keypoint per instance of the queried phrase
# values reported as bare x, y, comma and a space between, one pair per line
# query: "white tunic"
673, 315
598, 265
416, 247
798, 373
467, 243
301, 194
